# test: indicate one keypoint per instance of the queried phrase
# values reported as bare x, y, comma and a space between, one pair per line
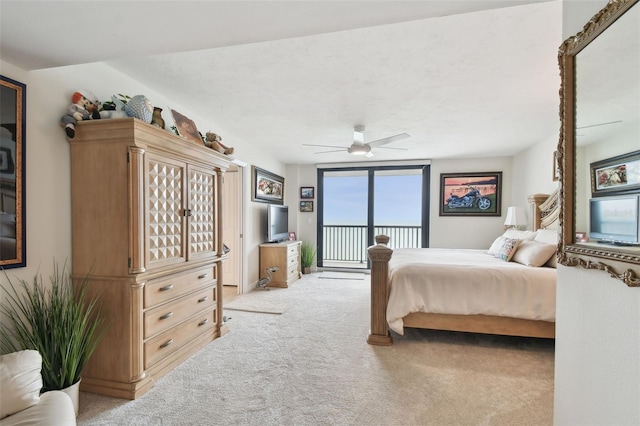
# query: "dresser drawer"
170, 341
166, 288
292, 261
292, 250
292, 272
166, 316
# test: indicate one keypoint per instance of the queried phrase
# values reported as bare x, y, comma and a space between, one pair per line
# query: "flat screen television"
614, 219
277, 223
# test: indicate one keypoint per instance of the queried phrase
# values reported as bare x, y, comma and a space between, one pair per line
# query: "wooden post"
379, 255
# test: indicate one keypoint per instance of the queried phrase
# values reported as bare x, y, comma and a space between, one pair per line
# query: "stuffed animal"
84, 106
214, 141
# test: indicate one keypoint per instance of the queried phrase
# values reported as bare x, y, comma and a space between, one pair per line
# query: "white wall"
534, 170
597, 363
48, 195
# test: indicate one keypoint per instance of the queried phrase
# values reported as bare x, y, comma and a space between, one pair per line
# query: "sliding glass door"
355, 204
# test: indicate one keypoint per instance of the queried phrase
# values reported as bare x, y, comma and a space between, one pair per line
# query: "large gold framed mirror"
600, 138
12, 174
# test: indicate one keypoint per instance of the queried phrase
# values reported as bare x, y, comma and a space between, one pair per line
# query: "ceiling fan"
358, 147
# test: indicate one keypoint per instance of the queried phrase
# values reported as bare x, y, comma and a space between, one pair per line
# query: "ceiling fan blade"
325, 146
333, 150
389, 147
390, 139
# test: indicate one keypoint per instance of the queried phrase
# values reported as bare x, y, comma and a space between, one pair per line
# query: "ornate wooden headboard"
544, 210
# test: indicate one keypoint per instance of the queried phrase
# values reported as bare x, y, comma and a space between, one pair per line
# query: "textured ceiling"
463, 78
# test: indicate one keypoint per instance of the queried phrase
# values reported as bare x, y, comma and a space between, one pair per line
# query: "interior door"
232, 220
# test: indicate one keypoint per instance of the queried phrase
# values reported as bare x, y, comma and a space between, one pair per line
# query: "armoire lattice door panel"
165, 212
202, 218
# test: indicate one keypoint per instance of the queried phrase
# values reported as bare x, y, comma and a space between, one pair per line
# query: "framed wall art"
267, 187
307, 192
616, 175
470, 194
306, 206
186, 127
13, 240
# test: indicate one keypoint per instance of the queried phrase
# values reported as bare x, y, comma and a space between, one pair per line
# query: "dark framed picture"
307, 192
470, 194
556, 166
306, 206
186, 127
13, 126
267, 187
616, 175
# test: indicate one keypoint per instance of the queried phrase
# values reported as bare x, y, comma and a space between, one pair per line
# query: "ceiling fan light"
359, 149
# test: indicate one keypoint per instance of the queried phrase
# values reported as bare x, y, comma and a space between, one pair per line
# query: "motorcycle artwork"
471, 199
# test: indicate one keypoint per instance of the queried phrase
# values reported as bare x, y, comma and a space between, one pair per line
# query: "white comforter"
467, 282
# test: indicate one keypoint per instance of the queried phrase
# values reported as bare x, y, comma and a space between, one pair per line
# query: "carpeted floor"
311, 365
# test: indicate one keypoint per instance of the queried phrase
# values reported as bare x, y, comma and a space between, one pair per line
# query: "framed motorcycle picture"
470, 194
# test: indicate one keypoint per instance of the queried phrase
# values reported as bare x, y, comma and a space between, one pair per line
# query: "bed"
509, 292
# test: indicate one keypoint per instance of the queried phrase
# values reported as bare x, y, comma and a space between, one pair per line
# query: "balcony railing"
348, 243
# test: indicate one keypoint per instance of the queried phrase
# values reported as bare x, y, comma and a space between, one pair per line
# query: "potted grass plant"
307, 256
59, 321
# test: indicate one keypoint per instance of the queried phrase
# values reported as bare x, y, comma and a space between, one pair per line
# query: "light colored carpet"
312, 366
334, 275
259, 301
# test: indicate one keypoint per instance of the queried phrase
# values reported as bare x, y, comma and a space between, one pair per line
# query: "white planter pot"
74, 393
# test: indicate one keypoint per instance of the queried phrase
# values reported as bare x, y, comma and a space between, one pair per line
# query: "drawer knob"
167, 343
203, 322
166, 288
167, 315
203, 299
203, 276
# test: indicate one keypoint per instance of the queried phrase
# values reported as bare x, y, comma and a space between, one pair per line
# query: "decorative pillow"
508, 248
532, 253
495, 247
548, 236
20, 381
521, 235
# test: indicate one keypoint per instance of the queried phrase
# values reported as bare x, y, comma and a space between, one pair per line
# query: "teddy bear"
214, 141
84, 106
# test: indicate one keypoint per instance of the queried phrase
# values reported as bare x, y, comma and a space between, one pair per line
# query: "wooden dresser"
146, 212
286, 256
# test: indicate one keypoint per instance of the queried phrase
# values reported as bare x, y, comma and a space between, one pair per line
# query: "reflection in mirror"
12, 173
600, 111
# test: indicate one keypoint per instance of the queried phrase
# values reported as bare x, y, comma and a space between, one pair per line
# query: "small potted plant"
307, 257
59, 321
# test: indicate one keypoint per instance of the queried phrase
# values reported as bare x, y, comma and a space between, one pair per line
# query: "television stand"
284, 255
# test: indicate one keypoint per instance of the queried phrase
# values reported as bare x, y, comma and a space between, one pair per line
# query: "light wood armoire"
147, 227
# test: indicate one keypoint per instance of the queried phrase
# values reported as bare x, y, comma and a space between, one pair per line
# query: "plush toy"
84, 106
214, 141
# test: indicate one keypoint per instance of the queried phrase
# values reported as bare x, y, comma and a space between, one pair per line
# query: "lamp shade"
515, 217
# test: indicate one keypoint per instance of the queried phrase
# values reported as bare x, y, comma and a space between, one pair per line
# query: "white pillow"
532, 253
547, 236
521, 235
495, 247
507, 249
20, 381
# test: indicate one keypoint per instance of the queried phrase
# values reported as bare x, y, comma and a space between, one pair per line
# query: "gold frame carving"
570, 253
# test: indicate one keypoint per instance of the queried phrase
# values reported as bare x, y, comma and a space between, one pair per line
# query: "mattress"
467, 282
